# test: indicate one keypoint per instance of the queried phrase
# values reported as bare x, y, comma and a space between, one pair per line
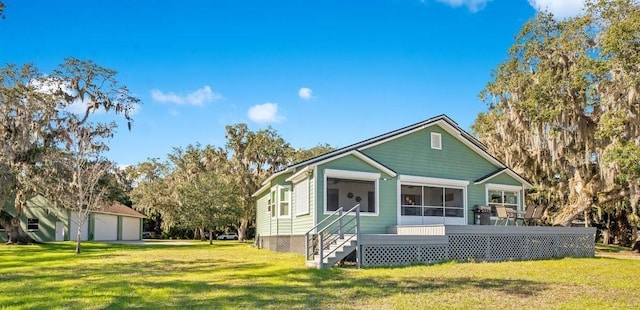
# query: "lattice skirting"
484, 247
293, 243
389, 255
492, 247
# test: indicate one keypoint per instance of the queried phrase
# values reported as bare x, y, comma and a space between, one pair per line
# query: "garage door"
130, 228
73, 229
106, 227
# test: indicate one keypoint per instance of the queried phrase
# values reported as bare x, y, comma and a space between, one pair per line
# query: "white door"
73, 230
130, 228
59, 231
105, 227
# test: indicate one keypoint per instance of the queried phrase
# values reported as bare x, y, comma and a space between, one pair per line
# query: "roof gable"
442, 121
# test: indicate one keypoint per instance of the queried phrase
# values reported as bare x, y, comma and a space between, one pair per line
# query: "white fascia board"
428, 180
300, 175
348, 174
511, 188
260, 190
374, 163
525, 183
362, 157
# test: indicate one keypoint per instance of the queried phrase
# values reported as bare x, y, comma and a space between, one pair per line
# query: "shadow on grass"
213, 281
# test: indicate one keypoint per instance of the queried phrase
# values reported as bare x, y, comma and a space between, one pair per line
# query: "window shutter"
301, 192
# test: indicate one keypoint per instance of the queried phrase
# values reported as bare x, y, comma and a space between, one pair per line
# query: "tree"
153, 192
563, 109
36, 127
254, 156
304, 154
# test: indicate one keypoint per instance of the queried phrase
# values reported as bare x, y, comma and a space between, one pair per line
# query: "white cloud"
561, 9
265, 113
305, 93
198, 97
473, 5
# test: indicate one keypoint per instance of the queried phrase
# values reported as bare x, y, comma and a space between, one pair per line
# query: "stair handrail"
308, 242
322, 255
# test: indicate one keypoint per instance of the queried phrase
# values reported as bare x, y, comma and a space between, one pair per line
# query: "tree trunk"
569, 212
210, 236
78, 239
242, 230
635, 239
202, 236
15, 233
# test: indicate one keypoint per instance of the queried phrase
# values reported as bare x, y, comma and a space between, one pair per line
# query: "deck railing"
343, 228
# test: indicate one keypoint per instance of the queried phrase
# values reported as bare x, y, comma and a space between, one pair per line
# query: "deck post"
321, 250
340, 231
358, 246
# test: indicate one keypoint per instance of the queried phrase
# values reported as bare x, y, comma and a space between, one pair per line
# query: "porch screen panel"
347, 193
433, 201
411, 204
301, 191
454, 202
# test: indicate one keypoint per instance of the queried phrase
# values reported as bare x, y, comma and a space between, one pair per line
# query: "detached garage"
117, 222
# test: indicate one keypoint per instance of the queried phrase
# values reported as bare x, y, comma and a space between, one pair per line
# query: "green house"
44, 222
431, 173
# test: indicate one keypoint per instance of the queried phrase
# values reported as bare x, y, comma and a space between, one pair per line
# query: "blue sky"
334, 72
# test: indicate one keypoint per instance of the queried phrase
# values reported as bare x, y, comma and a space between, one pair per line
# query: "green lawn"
233, 275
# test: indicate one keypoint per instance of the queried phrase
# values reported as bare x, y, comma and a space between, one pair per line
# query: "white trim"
362, 157
261, 189
353, 175
279, 189
429, 180
510, 173
314, 201
357, 175
300, 175
503, 187
436, 137
374, 163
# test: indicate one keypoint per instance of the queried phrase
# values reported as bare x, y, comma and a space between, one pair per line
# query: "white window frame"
279, 190
436, 137
504, 188
353, 175
272, 202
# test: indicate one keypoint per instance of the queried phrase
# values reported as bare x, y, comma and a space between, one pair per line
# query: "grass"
232, 275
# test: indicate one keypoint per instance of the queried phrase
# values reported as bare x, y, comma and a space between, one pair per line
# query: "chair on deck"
503, 215
528, 215
537, 215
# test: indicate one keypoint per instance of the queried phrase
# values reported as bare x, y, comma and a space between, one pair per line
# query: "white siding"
130, 228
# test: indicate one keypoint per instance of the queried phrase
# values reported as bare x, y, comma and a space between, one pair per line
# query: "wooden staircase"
330, 244
337, 252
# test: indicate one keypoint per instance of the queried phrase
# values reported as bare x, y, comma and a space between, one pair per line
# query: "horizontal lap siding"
412, 155
262, 214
